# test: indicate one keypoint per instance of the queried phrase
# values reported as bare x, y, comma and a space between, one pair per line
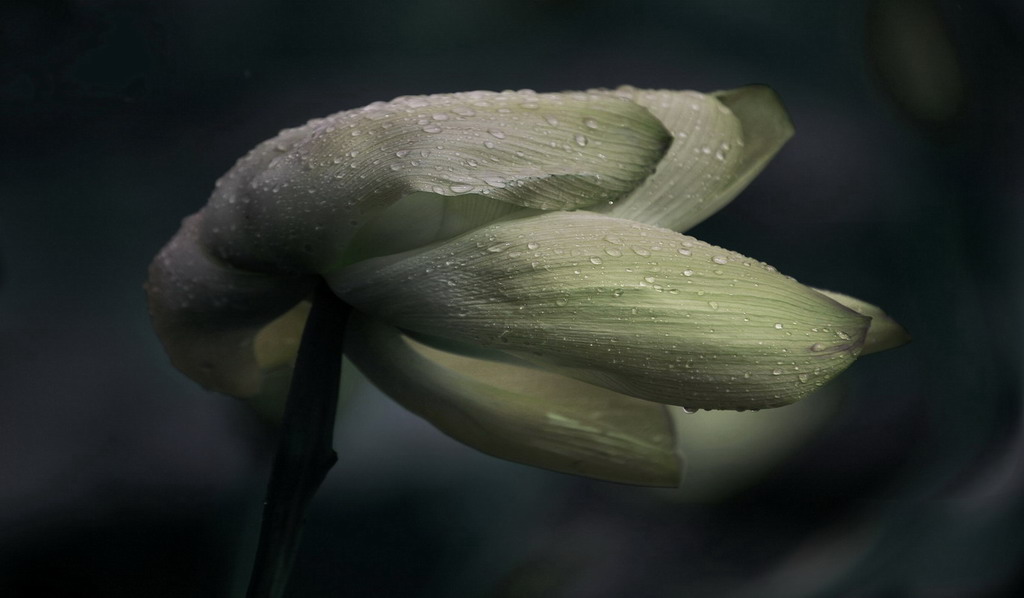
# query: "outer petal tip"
884, 332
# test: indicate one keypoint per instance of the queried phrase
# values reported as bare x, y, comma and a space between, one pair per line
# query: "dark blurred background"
903, 185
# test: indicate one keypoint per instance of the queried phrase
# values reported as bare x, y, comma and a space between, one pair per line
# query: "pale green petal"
884, 332
638, 309
295, 203
518, 412
419, 219
720, 143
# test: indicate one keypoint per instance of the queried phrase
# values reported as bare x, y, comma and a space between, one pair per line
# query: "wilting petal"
519, 413
631, 307
720, 143
883, 334
295, 202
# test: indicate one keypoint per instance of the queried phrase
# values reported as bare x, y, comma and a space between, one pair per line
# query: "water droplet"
461, 188
649, 279
581, 140
687, 272
818, 347
641, 251
720, 259
595, 260
401, 153
803, 378
590, 123
551, 120
613, 251
440, 116
689, 410
683, 251
431, 129
498, 248
532, 245
489, 144
561, 301
613, 239
713, 305
842, 335
778, 326
617, 293
496, 133
777, 372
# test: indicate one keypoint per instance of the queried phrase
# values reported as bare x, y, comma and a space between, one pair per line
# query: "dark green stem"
304, 453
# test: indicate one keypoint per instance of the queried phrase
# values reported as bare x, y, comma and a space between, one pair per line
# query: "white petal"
720, 143
295, 202
208, 314
519, 413
638, 309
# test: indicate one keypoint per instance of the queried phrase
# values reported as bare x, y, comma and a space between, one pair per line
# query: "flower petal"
721, 142
419, 219
634, 308
519, 413
208, 314
883, 334
295, 202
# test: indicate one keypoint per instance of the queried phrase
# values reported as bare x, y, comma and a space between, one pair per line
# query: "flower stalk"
304, 453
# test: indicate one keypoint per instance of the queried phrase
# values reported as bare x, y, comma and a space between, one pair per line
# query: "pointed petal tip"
760, 104
884, 332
